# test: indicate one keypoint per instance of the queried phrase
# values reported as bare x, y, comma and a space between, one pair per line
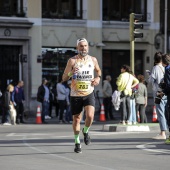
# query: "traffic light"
134, 26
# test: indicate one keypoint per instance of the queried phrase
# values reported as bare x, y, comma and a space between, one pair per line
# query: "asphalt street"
51, 147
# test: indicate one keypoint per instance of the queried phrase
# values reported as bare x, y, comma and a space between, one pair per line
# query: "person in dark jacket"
107, 98
166, 89
43, 96
18, 98
6, 104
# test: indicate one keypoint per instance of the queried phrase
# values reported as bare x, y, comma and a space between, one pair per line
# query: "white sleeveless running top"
81, 86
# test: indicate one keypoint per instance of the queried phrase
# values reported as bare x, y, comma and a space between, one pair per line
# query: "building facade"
37, 37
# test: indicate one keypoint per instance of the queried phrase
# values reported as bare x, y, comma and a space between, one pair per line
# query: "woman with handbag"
133, 117
155, 78
125, 83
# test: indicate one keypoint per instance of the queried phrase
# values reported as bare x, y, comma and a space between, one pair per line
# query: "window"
162, 16
63, 9
120, 10
54, 61
12, 8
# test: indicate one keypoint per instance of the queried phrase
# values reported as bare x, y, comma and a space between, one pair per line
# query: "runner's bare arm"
68, 72
96, 67
96, 80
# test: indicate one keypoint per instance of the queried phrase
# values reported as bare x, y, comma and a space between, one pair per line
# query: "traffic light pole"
134, 18
132, 56
132, 42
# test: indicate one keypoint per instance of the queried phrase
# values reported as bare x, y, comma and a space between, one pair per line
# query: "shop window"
12, 8
62, 9
120, 10
54, 61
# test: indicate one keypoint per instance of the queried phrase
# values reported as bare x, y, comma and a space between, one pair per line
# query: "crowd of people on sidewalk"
57, 95
133, 94
12, 103
133, 97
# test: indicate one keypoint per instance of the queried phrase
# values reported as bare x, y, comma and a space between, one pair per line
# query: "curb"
131, 128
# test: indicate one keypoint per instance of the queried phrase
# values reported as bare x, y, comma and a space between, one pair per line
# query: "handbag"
135, 93
158, 98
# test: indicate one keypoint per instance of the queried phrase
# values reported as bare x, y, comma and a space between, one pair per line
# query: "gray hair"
108, 77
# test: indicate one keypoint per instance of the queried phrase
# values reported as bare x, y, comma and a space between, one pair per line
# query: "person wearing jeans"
155, 78
18, 99
126, 110
161, 109
126, 82
43, 97
61, 98
133, 111
166, 89
45, 109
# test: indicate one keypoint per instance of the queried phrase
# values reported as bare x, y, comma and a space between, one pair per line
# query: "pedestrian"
125, 83
166, 89
81, 69
6, 102
55, 102
43, 95
107, 98
51, 100
61, 98
141, 99
18, 99
155, 78
133, 116
68, 115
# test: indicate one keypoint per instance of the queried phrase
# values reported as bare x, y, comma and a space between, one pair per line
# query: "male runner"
81, 68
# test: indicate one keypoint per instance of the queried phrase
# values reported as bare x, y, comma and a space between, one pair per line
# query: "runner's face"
83, 48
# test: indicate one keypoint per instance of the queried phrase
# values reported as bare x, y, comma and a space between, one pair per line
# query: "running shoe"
87, 139
167, 141
77, 148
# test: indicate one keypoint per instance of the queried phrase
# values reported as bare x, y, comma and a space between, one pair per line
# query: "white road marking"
53, 135
144, 147
62, 157
30, 134
11, 134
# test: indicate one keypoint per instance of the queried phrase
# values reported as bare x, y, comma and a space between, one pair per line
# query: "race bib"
83, 85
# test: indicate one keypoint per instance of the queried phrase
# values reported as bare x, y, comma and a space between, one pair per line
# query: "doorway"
9, 65
114, 59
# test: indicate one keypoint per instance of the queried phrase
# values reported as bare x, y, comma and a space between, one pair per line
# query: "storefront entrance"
9, 65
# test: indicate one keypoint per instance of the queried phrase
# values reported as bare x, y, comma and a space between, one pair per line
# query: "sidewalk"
111, 125
140, 127
114, 126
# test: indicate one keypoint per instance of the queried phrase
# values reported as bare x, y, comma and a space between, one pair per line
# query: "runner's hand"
95, 81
